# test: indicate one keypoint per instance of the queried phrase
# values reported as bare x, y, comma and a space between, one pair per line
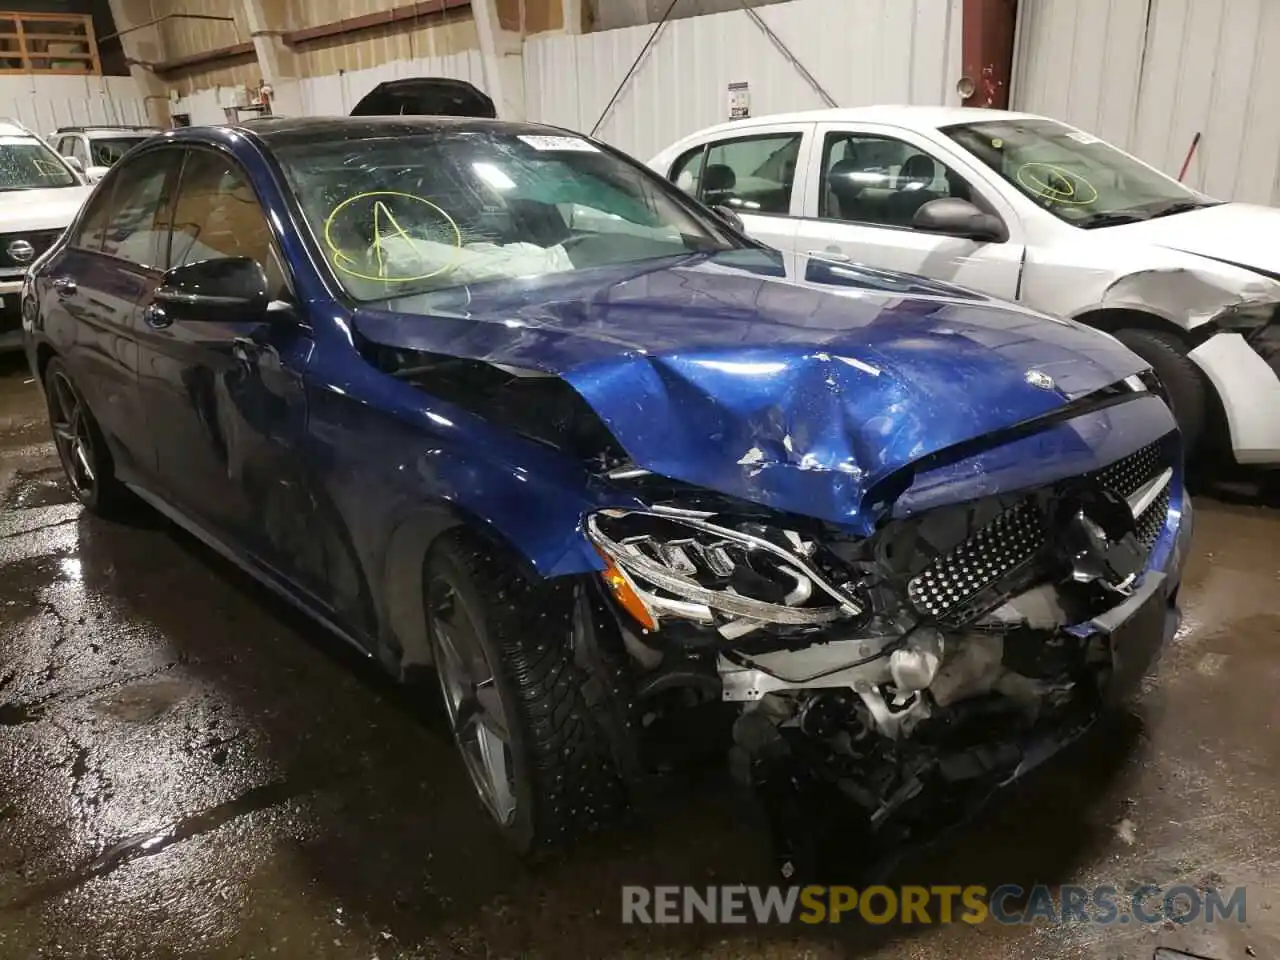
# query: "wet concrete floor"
187, 768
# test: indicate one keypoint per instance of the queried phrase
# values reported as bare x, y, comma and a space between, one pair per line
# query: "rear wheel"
1185, 384
86, 461
534, 749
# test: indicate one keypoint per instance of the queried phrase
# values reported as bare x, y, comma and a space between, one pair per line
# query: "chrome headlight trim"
696, 602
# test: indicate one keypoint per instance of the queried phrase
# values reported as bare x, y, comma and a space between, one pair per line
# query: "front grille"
1148, 526
1007, 541
944, 588
1125, 477
41, 240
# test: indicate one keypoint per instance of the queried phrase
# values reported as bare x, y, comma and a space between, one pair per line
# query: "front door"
754, 175
225, 401
863, 188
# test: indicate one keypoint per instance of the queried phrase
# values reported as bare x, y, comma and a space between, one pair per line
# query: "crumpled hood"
48, 209
1240, 233
721, 373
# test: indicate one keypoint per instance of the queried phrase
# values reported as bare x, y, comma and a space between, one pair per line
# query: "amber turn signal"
625, 594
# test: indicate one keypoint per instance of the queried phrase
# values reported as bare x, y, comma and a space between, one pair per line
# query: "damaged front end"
883, 681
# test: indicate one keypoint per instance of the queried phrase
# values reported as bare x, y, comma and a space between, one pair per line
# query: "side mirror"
730, 216
96, 173
75, 164
958, 218
224, 291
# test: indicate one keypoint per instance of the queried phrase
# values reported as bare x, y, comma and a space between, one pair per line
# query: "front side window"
78, 151
217, 216
751, 175
881, 180
1075, 176
28, 163
138, 196
411, 214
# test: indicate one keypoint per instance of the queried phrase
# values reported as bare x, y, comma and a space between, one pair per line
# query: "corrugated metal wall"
336, 94
1149, 75
860, 51
45, 103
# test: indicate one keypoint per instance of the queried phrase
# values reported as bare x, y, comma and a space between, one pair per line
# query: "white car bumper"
1250, 393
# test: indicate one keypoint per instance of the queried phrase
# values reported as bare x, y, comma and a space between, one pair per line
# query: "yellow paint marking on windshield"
381, 211
1056, 184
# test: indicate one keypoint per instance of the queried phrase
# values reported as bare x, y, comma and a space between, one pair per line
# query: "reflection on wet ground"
189, 769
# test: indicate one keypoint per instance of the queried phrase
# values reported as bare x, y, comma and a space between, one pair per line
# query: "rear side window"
750, 175
138, 196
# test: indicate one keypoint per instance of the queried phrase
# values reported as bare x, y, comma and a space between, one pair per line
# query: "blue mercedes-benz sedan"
492, 399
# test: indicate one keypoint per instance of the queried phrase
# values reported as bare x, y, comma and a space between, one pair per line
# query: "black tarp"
425, 96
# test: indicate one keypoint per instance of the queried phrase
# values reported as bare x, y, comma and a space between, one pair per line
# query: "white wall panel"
336, 94
1149, 74
860, 51
45, 103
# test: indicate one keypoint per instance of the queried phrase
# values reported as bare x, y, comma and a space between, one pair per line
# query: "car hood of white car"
49, 209
1239, 233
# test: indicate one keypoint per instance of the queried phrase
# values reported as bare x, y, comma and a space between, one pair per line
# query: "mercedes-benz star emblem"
21, 252
1039, 379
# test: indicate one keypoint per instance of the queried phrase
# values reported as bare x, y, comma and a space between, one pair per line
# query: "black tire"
86, 459
566, 778
1183, 381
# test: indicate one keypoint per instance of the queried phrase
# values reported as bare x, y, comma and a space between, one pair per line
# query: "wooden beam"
338, 28
204, 60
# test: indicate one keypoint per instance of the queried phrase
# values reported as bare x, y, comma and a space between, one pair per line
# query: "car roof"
11, 128
902, 115
282, 131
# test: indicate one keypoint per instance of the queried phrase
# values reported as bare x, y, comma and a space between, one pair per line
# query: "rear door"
865, 183
91, 292
756, 175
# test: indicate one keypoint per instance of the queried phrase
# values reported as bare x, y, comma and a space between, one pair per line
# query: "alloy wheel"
472, 701
71, 435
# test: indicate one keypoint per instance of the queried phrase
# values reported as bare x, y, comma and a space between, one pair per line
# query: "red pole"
1195, 142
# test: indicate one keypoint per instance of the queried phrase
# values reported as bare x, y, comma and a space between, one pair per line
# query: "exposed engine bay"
870, 674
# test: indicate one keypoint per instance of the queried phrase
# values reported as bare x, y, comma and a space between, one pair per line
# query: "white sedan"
1028, 209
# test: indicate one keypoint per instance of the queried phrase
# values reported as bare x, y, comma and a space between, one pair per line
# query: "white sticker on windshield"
559, 143
1080, 137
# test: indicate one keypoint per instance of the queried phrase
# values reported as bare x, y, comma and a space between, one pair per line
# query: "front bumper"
1248, 384
945, 779
10, 314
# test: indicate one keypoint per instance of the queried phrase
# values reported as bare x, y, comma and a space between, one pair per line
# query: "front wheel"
1183, 381
535, 751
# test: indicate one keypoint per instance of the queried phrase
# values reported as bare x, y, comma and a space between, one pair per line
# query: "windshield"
1075, 176
401, 215
28, 164
104, 151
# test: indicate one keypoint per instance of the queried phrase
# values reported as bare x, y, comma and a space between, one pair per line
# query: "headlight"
1248, 316
670, 563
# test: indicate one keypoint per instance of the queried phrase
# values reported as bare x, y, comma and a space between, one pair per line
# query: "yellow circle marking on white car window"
1056, 184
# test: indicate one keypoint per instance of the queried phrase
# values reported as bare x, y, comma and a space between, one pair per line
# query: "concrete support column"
266, 22
987, 51
500, 27
142, 46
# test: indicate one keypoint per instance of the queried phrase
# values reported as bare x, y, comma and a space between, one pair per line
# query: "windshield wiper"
1180, 206
1110, 219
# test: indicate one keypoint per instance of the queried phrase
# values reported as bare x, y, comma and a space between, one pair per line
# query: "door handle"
64, 286
835, 255
155, 316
